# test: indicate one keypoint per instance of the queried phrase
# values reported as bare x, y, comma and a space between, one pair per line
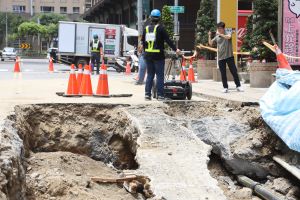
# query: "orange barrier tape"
201, 46
272, 48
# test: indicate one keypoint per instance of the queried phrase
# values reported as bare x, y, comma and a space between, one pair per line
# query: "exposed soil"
65, 145
51, 151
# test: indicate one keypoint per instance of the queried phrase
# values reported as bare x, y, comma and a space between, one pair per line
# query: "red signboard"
242, 25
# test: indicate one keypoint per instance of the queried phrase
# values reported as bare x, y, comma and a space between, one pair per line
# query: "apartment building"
72, 8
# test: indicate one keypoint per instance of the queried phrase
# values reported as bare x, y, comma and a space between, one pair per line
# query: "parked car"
9, 53
53, 53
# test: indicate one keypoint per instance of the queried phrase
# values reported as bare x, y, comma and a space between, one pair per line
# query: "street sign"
24, 46
177, 9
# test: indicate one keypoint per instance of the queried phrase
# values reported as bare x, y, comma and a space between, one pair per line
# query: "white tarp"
280, 107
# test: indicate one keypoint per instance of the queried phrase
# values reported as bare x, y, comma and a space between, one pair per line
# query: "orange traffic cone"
17, 65
86, 84
79, 77
102, 89
282, 61
72, 85
191, 75
183, 72
128, 69
51, 67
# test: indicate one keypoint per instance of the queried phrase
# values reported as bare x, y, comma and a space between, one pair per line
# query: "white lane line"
3, 70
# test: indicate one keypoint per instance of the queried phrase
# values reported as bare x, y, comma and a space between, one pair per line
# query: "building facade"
125, 12
72, 8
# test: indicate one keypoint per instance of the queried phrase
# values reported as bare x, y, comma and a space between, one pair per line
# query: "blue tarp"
280, 107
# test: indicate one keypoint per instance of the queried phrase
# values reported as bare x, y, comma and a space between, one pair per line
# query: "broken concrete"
50, 151
173, 157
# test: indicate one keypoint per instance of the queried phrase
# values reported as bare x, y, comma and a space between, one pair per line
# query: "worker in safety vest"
153, 39
97, 52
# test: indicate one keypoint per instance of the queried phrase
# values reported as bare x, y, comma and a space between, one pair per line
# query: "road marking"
3, 70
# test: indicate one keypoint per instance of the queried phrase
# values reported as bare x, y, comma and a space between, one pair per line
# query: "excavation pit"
51, 151
62, 146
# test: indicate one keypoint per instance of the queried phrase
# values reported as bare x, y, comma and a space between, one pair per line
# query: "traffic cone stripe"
103, 71
86, 72
86, 85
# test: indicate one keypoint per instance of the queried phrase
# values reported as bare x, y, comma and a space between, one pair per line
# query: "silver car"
8, 53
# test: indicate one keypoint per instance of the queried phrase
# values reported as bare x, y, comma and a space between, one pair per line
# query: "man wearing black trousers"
225, 56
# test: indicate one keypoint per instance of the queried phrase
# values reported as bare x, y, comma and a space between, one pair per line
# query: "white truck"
74, 41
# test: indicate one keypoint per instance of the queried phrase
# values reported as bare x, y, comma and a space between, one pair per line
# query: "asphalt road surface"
36, 69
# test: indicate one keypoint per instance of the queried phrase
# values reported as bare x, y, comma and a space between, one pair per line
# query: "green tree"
265, 19
167, 20
50, 32
205, 22
30, 29
14, 21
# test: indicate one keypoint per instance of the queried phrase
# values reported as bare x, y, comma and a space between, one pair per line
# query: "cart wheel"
190, 91
154, 89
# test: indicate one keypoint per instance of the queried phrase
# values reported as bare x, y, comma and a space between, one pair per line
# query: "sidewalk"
214, 89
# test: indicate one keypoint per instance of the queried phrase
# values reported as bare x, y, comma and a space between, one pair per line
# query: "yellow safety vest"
95, 46
150, 39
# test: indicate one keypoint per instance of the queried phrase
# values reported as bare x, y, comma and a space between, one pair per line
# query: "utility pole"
31, 8
176, 23
140, 16
176, 30
6, 28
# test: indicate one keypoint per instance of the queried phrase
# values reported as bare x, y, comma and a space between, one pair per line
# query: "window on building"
76, 10
18, 9
75, 1
47, 9
63, 1
63, 10
245, 4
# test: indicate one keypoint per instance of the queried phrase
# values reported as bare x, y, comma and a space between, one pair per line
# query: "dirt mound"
64, 175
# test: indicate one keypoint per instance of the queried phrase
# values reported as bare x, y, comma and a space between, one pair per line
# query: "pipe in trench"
258, 188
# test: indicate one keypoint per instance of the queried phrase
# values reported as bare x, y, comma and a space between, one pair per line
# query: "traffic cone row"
191, 73
51, 67
17, 68
82, 84
183, 72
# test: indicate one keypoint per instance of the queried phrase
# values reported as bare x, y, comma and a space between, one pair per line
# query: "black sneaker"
148, 98
160, 98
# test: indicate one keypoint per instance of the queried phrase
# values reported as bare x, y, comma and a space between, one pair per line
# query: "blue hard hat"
155, 13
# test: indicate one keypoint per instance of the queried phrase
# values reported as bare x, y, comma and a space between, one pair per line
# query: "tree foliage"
264, 19
31, 29
13, 23
205, 22
167, 20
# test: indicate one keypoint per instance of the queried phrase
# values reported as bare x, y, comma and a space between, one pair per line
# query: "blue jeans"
155, 67
142, 69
